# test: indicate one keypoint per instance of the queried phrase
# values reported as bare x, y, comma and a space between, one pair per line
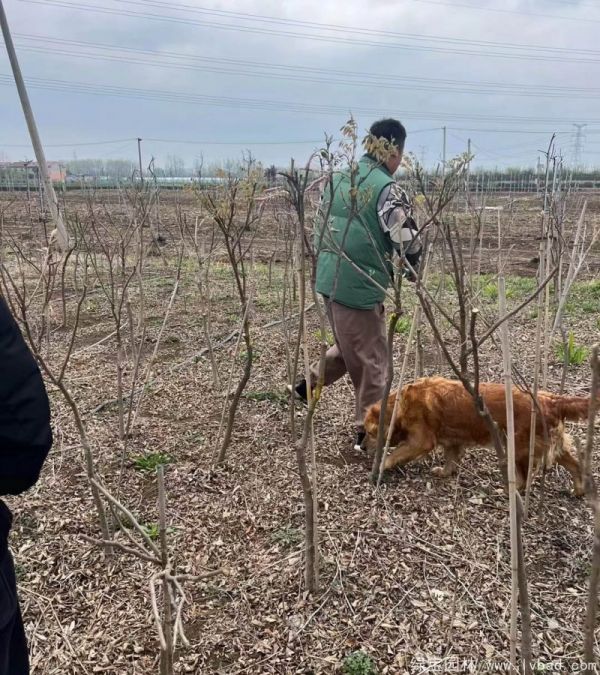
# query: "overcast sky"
273, 77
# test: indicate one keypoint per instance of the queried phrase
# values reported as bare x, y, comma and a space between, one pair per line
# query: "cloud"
385, 40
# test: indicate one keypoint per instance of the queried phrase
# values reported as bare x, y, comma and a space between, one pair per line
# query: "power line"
187, 141
524, 55
510, 131
499, 153
299, 73
574, 3
265, 104
68, 145
261, 18
190, 142
212, 142
308, 69
163, 140
506, 11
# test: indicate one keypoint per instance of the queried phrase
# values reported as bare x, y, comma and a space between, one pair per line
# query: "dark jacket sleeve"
25, 432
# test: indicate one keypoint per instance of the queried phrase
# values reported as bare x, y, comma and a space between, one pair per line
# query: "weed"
221, 271
584, 298
402, 326
151, 460
243, 354
92, 306
590, 307
114, 405
518, 288
590, 290
271, 396
576, 354
267, 303
359, 663
490, 291
194, 437
162, 282
126, 522
152, 530
327, 338
20, 572
287, 536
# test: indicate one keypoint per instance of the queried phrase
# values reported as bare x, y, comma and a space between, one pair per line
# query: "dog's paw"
438, 472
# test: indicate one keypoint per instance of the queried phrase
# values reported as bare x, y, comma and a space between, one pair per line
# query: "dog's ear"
398, 432
372, 419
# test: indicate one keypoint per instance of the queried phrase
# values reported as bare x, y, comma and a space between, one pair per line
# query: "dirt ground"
416, 575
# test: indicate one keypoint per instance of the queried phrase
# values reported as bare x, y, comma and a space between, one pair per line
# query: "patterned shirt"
395, 217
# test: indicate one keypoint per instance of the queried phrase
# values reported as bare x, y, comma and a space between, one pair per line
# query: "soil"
411, 574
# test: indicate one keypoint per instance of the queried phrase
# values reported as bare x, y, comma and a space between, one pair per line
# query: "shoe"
360, 440
299, 391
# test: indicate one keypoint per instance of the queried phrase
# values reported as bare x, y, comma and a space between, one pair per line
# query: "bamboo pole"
512, 489
62, 236
536, 381
592, 494
518, 579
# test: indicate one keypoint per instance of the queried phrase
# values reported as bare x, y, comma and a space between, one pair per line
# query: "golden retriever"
436, 411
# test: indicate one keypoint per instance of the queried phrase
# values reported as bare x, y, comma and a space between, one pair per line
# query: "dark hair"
390, 129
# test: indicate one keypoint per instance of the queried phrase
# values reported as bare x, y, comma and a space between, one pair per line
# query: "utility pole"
139, 140
62, 235
444, 152
467, 186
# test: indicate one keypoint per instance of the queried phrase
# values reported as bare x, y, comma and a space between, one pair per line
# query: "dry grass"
421, 569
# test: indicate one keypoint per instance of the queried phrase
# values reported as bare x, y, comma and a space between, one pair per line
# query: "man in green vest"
369, 220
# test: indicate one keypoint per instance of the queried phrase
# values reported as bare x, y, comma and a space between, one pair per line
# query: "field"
416, 571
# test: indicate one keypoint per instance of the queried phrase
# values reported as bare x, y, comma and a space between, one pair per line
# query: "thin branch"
517, 309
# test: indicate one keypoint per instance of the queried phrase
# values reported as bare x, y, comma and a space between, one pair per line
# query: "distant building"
17, 174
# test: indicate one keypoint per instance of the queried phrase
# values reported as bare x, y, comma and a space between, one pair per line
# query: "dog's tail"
573, 408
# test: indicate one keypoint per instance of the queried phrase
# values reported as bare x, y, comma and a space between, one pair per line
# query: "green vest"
360, 238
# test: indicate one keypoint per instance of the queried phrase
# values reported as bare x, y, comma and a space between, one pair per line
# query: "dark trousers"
14, 658
360, 350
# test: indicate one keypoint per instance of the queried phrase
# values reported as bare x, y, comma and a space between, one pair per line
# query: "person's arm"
25, 432
395, 217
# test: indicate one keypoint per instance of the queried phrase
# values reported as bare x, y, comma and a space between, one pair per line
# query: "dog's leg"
521, 469
452, 457
415, 446
571, 464
403, 454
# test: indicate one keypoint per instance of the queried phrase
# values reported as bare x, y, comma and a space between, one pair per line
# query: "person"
355, 268
25, 440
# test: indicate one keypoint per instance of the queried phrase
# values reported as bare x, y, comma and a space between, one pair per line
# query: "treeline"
175, 167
